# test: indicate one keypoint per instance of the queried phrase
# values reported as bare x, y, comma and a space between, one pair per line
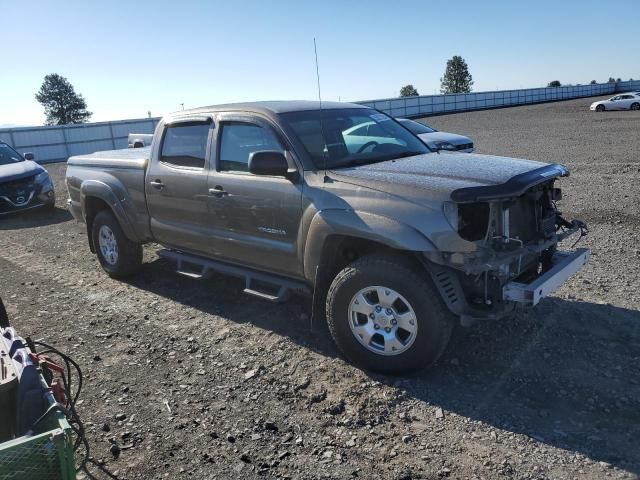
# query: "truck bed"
117, 177
135, 158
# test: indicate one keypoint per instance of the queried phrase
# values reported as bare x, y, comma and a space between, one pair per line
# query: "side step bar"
273, 288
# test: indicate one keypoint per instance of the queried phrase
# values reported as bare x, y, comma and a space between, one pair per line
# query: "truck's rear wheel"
119, 256
386, 316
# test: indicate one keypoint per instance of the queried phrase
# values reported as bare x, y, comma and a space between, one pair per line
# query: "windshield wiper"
354, 162
407, 154
360, 161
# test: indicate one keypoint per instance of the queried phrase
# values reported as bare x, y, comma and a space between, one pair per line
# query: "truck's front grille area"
16, 193
464, 146
530, 219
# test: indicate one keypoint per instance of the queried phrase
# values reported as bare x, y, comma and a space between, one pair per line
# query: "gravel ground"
216, 384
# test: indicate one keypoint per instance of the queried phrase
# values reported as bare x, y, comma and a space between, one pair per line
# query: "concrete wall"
54, 144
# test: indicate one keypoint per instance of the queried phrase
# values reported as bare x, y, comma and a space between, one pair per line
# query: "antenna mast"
315, 49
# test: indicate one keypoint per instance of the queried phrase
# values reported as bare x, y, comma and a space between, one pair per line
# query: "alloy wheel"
382, 320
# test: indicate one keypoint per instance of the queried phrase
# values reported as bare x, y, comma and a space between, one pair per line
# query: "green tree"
409, 91
62, 105
611, 80
554, 83
593, 82
457, 78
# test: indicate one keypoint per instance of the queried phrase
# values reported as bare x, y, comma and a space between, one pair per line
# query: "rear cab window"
185, 144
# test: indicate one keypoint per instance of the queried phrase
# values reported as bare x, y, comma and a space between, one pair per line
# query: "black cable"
68, 360
72, 415
70, 410
583, 233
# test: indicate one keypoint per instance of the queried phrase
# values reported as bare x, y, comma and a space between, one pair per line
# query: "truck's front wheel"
386, 316
119, 256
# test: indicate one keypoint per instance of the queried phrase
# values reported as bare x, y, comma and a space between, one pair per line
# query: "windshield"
9, 155
337, 138
416, 127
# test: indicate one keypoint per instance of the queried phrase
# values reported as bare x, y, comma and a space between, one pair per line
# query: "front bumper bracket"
565, 264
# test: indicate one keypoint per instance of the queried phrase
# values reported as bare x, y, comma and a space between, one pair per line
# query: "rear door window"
185, 144
239, 140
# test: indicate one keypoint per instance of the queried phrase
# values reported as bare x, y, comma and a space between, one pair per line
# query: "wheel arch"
96, 196
337, 237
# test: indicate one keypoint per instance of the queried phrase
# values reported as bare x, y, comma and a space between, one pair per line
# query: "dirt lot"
216, 384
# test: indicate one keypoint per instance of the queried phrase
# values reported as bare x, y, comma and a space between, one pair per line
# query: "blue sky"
128, 58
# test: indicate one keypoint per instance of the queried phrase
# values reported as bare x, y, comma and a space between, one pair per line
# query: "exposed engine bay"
515, 241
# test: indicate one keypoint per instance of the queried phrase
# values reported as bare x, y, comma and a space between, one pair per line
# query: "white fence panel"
428, 104
46, 136
57, 143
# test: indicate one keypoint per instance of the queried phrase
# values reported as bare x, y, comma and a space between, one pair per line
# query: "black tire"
129, 254
635, 106
434, 320
600, 108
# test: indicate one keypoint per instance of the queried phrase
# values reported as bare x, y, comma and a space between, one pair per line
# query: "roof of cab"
275, 106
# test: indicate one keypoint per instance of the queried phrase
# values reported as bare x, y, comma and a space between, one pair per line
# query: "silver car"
438, 140
623, 101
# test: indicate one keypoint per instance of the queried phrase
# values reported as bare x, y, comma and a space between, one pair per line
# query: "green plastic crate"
45, 456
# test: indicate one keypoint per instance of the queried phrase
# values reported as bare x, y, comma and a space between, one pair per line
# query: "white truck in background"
139, 140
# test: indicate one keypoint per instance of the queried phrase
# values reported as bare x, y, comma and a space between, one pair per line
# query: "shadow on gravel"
34, 218
559, 374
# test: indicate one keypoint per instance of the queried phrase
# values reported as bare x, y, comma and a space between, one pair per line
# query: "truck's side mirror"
268, 162
29, 156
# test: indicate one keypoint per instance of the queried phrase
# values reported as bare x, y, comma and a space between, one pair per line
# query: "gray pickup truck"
393, 241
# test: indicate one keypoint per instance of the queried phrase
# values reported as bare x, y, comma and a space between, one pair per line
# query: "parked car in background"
24, 184
624, 101
438, 140
139, 140
341, 203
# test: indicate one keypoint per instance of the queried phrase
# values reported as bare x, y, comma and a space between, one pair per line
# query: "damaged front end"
510, 232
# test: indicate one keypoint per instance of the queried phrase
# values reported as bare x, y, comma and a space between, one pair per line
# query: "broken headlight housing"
473, 220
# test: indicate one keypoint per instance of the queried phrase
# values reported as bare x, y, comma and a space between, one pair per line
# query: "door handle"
157, 184
218, 192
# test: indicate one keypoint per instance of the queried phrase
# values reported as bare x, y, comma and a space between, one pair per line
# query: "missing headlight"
473, 220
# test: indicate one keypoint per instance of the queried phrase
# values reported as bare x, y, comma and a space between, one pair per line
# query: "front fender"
368, 226
102, 191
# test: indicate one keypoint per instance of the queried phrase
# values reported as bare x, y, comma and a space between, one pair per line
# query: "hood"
435, 176
18, 170
452, 138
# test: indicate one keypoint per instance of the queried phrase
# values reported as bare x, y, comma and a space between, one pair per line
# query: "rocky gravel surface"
193, 379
